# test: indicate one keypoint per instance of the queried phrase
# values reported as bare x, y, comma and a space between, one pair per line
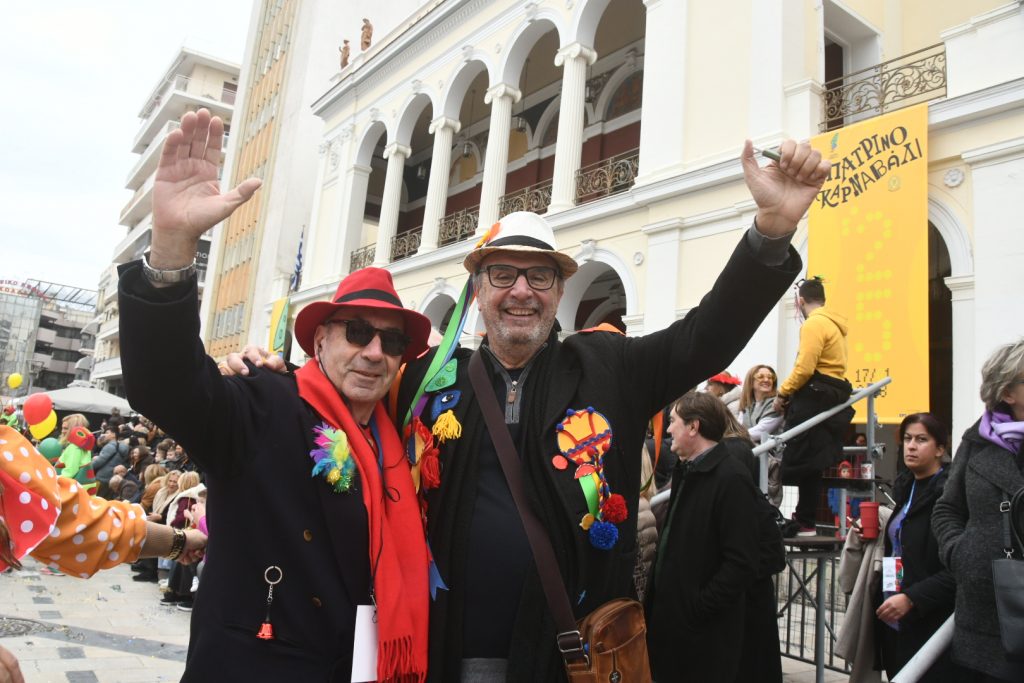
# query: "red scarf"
398, 548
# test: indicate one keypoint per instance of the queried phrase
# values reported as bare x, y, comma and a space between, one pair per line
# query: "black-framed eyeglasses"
539, 278
361, 333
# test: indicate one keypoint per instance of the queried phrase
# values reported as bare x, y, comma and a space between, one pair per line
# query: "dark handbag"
610, 643
1008, 581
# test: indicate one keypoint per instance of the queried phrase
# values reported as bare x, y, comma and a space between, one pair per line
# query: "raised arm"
186, 194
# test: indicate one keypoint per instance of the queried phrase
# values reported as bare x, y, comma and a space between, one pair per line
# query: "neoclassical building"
622, 120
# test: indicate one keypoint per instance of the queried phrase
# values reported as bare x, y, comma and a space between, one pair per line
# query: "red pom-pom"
430, 469
614, 509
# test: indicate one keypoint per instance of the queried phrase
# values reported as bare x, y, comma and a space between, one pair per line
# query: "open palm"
186, 194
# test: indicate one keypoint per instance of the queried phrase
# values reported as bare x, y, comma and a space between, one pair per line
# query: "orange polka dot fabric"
59, 523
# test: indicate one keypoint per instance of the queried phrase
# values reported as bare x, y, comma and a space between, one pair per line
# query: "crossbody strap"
570, 643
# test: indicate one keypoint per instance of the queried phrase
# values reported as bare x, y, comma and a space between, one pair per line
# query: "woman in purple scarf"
967, 521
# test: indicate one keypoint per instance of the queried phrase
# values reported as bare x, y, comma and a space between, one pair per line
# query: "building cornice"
975, 105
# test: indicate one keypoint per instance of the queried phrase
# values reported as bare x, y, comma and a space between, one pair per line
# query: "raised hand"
186, 194
784, 190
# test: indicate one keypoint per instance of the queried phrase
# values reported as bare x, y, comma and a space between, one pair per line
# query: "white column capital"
502, 90
575, 51
444, 122
960, 286
397, 148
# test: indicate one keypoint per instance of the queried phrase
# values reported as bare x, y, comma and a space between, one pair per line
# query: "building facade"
45, 334
622, 122
193, 80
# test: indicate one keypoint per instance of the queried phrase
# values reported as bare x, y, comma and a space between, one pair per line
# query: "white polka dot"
80, 528
110, 512
78, 539
74, 509
3, 441
131, 514
103, 536
39, 475
49, 472
23, 451
94, 506
117, 522
110, 546
54, 557
26, 526
8, 456
74, 489
42, 501
54, 532
114, 557
131, 541
25, 497
24, 477
83, 575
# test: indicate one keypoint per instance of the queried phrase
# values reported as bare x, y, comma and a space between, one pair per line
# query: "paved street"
110, 629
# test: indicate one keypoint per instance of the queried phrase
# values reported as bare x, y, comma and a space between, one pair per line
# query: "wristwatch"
157, 276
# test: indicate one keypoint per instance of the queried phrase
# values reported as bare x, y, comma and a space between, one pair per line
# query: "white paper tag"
892, 574
364, 652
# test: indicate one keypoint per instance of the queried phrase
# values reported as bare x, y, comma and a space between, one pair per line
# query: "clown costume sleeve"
55, 520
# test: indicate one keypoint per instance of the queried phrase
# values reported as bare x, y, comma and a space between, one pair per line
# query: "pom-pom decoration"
614, 509
430, 469
603, 535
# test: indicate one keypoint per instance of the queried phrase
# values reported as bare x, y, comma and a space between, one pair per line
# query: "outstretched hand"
784, 190
234, 364
186, 193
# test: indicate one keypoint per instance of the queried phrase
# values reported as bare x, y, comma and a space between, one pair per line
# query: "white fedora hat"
523, 232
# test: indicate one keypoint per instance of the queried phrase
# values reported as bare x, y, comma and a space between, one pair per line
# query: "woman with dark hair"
920, 604
140, 460
968, 523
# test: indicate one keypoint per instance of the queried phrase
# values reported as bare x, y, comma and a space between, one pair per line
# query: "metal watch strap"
157, 275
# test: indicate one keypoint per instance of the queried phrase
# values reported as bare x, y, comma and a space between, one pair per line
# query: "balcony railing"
362, 257
535, 198
907, 80
607, 177
458, 226
406, 244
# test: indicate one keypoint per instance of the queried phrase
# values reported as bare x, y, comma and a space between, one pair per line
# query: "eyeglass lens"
538, 277
361, 333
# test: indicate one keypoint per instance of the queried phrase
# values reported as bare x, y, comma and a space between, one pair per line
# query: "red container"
869, 520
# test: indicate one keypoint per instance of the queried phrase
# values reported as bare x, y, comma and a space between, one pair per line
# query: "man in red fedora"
313, 515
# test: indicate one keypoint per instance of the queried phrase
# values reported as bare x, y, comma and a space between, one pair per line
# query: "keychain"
266, 631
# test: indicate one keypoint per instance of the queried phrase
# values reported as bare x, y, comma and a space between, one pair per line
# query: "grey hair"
1000, 371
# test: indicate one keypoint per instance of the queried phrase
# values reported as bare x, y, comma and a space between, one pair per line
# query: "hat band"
519, 241
374, 294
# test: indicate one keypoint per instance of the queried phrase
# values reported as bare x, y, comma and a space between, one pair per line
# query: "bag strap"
1005, 507
570, 642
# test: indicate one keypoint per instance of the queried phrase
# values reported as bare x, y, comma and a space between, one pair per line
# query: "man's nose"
374, 348
521, 287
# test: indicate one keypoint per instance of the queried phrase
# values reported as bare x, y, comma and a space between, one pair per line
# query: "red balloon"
37, 408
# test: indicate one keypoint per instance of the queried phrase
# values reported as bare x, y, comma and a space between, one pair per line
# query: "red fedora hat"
365, 288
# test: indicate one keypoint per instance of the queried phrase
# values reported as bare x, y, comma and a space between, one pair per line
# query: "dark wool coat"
251, 436
625, 379
969, 530
707, 560
928, 584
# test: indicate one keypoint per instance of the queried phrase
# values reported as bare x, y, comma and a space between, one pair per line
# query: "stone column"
662, 265
443, 129
574, 60
396, 154
966, 405
501, 98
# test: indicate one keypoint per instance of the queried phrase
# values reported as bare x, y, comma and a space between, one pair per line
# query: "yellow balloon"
14, 380
43, 429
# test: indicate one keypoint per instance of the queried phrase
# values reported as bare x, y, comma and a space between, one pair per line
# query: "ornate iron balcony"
911, 79
535, 198
406, 244
458, 226
362, 257
608, 176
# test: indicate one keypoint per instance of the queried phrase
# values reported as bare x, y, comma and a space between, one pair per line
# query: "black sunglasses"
361, 333
539, 278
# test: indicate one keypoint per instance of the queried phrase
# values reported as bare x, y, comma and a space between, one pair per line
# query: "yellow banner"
278, 326
868, 238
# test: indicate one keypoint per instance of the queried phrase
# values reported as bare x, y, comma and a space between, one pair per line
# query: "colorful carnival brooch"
584, 437
333, 460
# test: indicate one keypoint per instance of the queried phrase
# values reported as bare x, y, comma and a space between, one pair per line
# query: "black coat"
968, 527
707, 560
929, 585
252, 437
626, 379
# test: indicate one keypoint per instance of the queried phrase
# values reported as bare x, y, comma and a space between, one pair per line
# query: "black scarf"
532, 652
